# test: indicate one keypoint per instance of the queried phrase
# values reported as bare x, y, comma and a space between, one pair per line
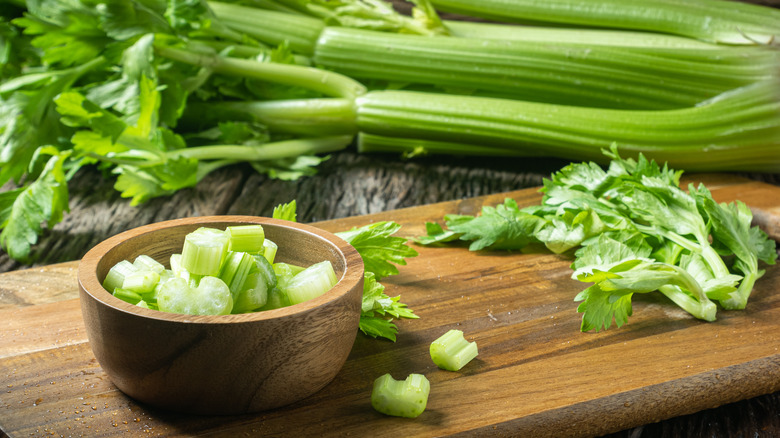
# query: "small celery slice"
276, 299
246, 238
253, 296
127, 295
145, 263
116, 275
266, 270
269, 250
235, 270
311, 282
141, 282
203, 251
452, 351
401, 398
211, 297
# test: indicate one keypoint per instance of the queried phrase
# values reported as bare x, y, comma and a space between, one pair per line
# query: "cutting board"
536, 373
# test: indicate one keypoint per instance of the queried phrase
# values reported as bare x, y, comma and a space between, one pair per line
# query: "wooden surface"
536, 375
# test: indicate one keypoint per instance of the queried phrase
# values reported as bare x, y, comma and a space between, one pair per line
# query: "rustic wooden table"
349, 185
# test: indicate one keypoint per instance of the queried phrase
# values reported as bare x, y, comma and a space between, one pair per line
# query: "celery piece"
144, 262
275, 300
141, 282
269, 250
266, 270
401, 398
127, 295
235, 270
311, 282
203, 251
254, 294
116, 275
246, 238
211, 297
451, 351
143, 304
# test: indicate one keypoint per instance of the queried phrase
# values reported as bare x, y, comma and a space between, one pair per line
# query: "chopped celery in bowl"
218, 364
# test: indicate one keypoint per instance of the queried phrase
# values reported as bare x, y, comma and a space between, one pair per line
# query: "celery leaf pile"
632, 229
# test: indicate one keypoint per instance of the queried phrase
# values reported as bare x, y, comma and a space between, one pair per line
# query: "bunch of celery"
160, 93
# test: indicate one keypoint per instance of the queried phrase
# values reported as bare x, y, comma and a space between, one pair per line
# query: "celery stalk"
270, 249
144, 262
728, 22
141, 282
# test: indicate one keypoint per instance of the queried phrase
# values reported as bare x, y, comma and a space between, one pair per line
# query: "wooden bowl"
225, 364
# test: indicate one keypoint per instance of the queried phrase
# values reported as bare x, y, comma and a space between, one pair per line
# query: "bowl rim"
89, 284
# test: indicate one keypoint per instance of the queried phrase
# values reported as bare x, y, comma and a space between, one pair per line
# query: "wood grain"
536, 375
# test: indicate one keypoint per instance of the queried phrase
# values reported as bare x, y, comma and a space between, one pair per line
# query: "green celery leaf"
504, 226
42, 201
378, 327
138, 185
376, 301
379, 248
436, 234
286, 211
599, 308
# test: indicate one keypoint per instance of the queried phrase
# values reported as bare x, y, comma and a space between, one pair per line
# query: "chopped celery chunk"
203, 251
266, 270
253, 296
127, 295
246, 238
276, 299
211, 297
141, 282
310, 282
116, 275
269, 250
143, 304
451, 351
145, 263
401, 398
235, 270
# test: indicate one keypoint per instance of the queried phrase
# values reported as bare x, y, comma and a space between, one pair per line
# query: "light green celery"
245, 238
270, 249
401, 398
127, 295
141, 282
309, 117
705, 310
451, 351
235, 270
211, 297
320, 80
116, 275
597, 76
575, 36
204, 250
311, 282
253, 296
410, 147
266, 270
729, 22
144, 262
738, 130
271, 27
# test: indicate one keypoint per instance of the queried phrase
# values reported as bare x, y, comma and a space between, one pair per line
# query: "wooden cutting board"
536, 373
